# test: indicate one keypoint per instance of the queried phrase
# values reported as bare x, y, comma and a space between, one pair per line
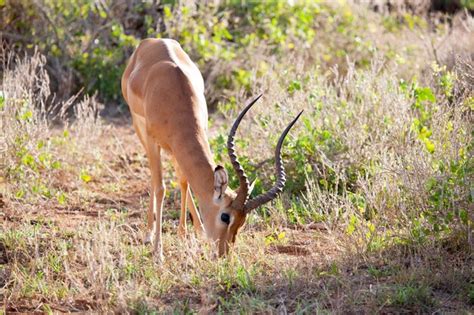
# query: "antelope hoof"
182, 232
158, 255
199, 231
158, 259
149, 238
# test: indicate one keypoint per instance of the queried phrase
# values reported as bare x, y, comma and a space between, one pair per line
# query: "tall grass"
44, 148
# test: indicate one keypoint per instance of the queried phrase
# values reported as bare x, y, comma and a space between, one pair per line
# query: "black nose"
225, 217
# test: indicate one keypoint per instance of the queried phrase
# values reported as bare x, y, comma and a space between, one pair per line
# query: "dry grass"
368, 233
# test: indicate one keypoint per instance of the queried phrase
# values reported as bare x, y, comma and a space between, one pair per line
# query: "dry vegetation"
377, 216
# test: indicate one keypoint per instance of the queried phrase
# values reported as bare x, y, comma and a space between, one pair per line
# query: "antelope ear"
220, 183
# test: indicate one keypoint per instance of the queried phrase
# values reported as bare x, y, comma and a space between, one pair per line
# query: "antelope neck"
198, 166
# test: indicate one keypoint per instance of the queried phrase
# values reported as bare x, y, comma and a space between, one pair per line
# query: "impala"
165, 92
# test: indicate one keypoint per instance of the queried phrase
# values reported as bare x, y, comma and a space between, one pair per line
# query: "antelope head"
231, 208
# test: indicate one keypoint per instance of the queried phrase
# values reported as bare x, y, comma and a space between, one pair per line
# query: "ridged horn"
242, 193
280, 183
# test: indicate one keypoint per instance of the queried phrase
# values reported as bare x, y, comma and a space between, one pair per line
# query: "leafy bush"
87, 44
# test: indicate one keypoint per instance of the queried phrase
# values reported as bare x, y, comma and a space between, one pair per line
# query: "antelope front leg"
194, 213
186, 200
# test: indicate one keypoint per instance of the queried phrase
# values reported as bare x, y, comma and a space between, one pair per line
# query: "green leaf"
62, 198
294, 86
463, 216
429, 145
167, 12
85, 177
28, 160
371, 227
40, 144
19, 194
27, 115
103, 14
352, 225
281, 235
425, 94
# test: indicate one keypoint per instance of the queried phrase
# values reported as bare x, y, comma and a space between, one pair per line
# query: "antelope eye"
225, 217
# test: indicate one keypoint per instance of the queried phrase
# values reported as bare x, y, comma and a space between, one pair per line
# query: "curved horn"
242, 193
278, 187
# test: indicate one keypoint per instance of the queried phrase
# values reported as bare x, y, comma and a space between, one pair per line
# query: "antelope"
165, 93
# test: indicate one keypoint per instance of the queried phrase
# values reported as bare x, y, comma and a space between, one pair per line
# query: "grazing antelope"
165, 92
